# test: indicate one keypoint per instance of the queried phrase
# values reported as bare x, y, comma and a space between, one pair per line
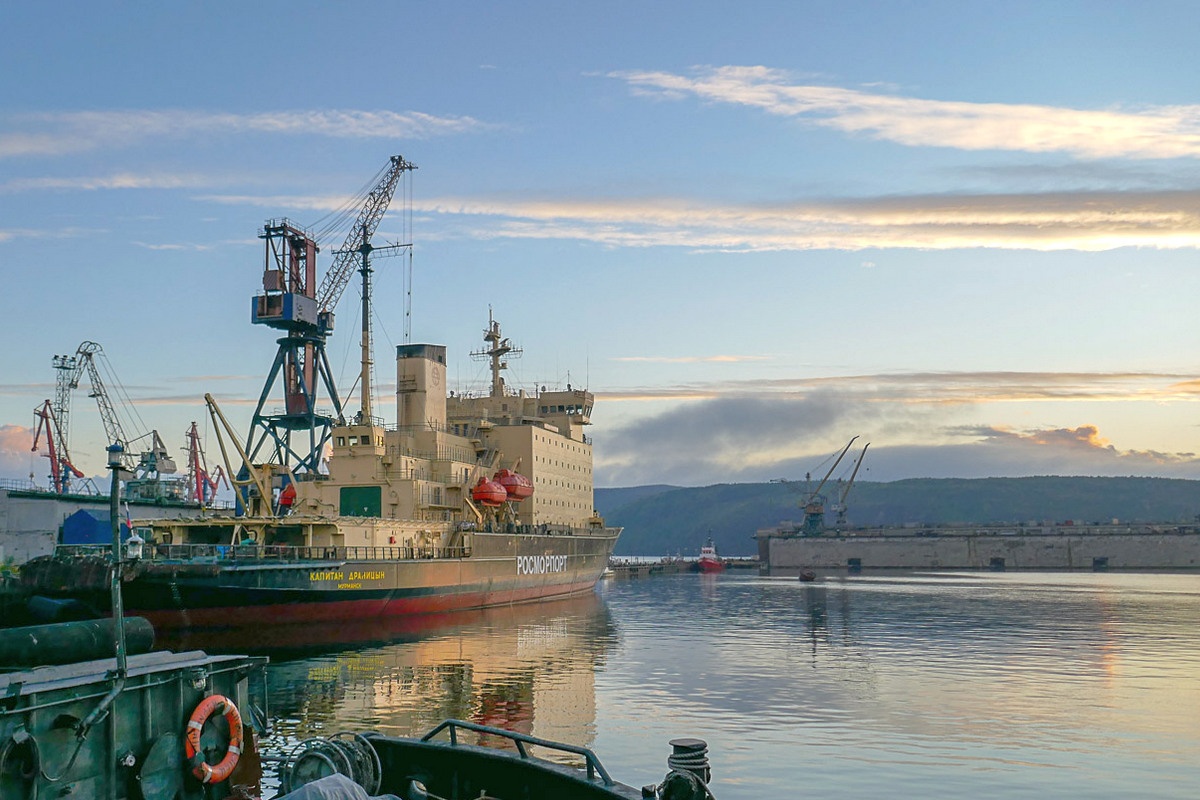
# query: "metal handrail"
256, 553
594, 766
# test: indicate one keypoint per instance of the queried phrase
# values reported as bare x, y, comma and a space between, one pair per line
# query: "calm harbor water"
914, 685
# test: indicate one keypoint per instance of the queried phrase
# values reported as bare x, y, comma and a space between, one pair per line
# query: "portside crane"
201, 485
61, 468
144, 469
71, 370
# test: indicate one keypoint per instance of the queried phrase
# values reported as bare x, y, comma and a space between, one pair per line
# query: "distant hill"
609, 500
666, 520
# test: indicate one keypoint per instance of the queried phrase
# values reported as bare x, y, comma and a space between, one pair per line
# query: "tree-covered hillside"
664, 520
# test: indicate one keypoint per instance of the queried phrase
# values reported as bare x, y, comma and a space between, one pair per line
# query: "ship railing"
255, 553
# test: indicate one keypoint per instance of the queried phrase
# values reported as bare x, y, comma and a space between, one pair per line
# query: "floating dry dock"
787, 551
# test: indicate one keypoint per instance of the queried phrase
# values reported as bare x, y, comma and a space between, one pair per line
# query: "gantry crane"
291, 302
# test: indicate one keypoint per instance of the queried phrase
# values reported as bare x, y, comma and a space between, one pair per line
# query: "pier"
642, 568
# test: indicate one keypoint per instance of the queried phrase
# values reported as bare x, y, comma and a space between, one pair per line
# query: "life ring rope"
214, 703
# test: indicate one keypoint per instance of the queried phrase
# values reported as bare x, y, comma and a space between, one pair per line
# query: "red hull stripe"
352, 610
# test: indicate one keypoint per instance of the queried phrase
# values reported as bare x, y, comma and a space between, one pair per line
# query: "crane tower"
296, 435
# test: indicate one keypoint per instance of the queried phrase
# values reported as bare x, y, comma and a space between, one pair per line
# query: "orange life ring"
202, 771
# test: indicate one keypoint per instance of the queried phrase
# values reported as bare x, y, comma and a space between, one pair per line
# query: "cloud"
1047, 221
728, 432
1001, 452
116, 181
15, 452
1086, 221
1150, 132
723, 439
54, 134
940, 388
718, 359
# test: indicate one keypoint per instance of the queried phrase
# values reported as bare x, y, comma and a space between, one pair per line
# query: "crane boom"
153, 462
369, 216
108, 414
854, 474
71, 369
824, 480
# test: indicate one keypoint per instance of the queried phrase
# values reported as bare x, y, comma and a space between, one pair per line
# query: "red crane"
61, 468
201, 486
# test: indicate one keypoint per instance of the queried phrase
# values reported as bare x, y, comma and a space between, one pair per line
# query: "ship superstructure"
423, 469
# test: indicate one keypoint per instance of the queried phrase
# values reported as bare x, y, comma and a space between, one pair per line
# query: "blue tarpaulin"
88, 526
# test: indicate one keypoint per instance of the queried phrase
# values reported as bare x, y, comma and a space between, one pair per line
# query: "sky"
963, 232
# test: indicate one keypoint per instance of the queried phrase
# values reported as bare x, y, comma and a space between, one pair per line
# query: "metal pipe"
115, 450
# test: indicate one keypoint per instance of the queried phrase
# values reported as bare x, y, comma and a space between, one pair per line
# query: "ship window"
341, 441
353, 440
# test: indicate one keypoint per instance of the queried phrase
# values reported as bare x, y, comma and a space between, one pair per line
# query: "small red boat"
709, 561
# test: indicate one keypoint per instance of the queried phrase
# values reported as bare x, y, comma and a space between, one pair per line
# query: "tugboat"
709, 560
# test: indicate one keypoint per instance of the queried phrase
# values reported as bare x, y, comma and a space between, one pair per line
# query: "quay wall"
30, 521
29, 525
1126, 550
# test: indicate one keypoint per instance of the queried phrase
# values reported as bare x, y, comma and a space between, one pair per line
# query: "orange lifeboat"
489, 493
517, 485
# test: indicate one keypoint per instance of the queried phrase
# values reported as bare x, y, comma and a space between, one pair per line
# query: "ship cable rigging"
293, 302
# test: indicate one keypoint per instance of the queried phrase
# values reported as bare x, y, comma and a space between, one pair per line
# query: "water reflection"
1041, 681
527, 668
990, 685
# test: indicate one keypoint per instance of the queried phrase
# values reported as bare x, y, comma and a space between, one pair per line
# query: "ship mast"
498, 348
365, 369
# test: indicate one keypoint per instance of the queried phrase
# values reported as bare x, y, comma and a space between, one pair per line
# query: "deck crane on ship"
292, 302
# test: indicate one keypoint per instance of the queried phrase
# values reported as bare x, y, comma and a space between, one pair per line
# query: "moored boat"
397, 526
431, 766
710, 560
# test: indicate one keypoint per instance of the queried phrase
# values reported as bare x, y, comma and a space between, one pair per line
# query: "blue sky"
964, 232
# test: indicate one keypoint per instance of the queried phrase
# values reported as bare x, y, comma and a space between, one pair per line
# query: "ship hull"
238, 589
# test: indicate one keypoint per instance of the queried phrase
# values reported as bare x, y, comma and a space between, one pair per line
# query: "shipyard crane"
297, 436
840, 506
61, 468
814, 506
